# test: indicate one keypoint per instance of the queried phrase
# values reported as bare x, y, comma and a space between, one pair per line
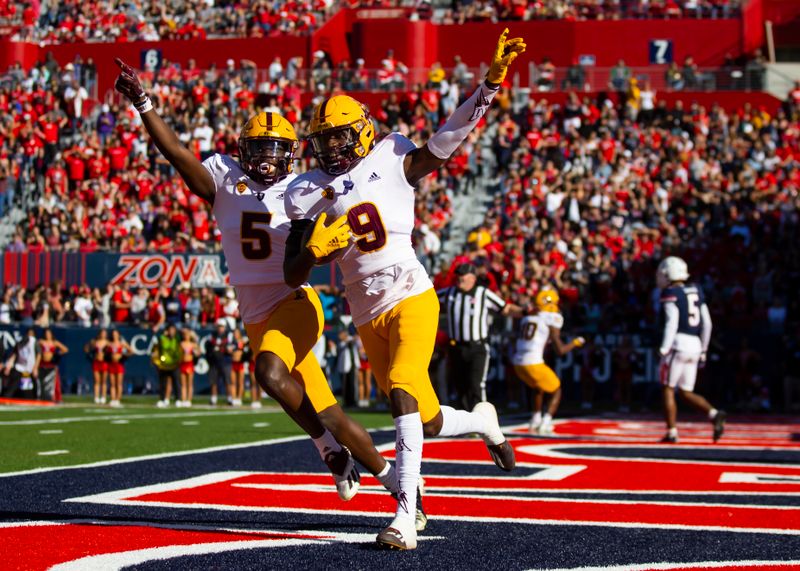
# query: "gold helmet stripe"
269, 121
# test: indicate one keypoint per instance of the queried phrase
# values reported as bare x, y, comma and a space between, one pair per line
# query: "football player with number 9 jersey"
283, 323
685, 339
393, 303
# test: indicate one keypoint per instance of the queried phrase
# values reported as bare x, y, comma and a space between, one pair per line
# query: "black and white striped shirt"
468, 312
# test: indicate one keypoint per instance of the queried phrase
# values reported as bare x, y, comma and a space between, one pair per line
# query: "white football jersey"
254, 228
379, 267
534, 333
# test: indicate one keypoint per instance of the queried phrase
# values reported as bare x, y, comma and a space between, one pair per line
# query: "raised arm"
196, 177
423, 161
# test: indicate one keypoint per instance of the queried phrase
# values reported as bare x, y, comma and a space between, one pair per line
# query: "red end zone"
540, 497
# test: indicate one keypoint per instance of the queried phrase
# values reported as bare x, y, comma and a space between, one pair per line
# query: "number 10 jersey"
379, 267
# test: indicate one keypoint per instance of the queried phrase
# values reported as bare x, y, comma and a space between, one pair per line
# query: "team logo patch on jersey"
260, 196
328, 192
241, 187
348, 186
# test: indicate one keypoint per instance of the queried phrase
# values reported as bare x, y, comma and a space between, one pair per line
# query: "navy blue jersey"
689, 299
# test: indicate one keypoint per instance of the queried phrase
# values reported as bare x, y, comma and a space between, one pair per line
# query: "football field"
86, 487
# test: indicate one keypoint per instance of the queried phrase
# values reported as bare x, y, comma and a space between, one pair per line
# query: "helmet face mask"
335, 149
341, 134
266, 160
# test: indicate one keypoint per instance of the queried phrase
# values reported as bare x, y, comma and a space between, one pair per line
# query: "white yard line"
53, 452
152, 416
156, 456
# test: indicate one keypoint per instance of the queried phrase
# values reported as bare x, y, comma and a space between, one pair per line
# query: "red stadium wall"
608, 40
419, 44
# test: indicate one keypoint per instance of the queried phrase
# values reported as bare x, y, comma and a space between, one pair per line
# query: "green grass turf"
90, 433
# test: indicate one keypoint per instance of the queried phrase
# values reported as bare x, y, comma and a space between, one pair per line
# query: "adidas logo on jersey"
373, 177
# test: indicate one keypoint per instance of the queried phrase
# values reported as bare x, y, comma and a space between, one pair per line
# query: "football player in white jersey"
283, 323
687, 333
392, 300
535, 332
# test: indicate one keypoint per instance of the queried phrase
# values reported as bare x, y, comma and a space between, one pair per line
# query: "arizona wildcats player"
283, 323
687, 333
393, 303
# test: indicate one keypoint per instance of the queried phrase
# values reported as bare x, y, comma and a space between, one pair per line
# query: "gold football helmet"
547, 300
266, 147
341, 133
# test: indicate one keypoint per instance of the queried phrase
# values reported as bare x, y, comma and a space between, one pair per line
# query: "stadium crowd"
52, 22
587, 195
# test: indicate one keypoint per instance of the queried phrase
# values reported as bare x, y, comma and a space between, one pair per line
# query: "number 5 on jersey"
256, 243
365, 222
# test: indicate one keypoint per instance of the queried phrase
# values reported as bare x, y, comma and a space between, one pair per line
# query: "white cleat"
164, 403
499, 448
545, 430
344, 472
255, 404
399, 535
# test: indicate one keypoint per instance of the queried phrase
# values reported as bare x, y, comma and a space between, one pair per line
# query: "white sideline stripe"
440, 492
51, 432
29, 523
552, 450
118, 497
127, 416
121, 560
121, 421
190, 423
675, 565
53, 452
754, 478
472, 519
158, 456
260, 424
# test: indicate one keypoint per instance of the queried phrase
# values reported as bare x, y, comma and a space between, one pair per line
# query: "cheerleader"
237, 367
96, 350
50, 351
118, 351
190, 350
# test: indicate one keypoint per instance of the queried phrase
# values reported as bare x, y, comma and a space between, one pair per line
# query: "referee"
467, 306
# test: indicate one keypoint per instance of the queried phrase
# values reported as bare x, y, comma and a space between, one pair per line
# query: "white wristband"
144, 105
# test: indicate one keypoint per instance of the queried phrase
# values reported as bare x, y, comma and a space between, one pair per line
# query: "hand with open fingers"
325, 240
579, 342
128, 83
504, 54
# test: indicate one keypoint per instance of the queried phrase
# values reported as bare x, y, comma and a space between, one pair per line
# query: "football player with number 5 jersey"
283, 323
686, 335
393, 303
